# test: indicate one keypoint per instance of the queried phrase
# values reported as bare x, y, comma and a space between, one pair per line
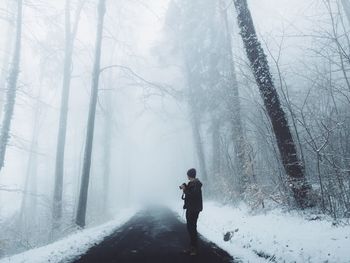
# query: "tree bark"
81, 213
62, 128
11, 87
259, 64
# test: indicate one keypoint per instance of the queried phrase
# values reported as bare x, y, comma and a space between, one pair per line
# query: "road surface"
153, 235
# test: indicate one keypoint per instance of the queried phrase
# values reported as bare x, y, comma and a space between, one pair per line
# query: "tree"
189, 26
83, 195
29, 202
7, 52
70, 34
196, 131
261, 71
11, 86
204, 40
195, 116
234, 106
107, 143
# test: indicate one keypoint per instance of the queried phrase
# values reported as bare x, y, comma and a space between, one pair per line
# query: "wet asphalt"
154, 235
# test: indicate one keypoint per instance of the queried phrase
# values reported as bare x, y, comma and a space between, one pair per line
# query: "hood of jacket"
196, 183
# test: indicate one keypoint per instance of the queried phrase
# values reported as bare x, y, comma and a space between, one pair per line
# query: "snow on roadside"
73, 245
282, 236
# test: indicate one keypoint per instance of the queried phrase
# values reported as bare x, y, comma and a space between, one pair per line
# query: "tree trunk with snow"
83, 195
11, 87
263, 77
70, 34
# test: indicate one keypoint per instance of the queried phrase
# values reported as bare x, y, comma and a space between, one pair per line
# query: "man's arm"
190, 190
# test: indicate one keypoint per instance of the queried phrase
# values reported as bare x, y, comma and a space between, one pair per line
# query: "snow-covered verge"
275, 235
73, 245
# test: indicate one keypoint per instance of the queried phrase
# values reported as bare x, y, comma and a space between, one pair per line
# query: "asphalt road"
153, 235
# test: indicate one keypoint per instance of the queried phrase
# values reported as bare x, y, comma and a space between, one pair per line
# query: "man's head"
191, 174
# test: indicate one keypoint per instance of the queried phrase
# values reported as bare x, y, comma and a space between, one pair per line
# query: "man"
193, 205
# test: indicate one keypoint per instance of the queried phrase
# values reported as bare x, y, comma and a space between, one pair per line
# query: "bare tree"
107, 140
7, 53
234, 105
70, 34
261, 71
11, 87
29, 203
83, 195
107, 150
195, 120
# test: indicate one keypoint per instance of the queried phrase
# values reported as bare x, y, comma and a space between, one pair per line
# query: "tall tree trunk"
234, 105
7, 55
81, 213
11, 87
108, 120
263, 77
62, 127
29, 198
195, 119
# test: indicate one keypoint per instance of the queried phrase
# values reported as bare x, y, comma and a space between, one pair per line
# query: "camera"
183, 186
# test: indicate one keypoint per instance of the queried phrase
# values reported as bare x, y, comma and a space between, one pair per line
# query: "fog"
146, 145
144, 137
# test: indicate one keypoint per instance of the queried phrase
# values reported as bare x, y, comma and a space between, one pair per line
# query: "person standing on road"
192, 195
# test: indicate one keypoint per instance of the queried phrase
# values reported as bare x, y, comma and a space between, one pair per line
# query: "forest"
105, 105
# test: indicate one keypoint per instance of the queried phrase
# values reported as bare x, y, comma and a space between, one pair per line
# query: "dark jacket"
193, 196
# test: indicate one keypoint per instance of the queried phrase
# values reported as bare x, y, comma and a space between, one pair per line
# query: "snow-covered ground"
75, 244
284, 237
278, 236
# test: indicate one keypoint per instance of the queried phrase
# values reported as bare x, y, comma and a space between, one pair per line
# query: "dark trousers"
191, 219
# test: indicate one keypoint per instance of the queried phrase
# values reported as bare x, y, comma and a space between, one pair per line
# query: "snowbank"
277, 236
76, 244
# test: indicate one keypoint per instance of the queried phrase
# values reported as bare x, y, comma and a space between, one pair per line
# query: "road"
153, 235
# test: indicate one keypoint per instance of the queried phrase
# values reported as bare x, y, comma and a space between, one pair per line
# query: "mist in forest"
174, 89
144, 145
